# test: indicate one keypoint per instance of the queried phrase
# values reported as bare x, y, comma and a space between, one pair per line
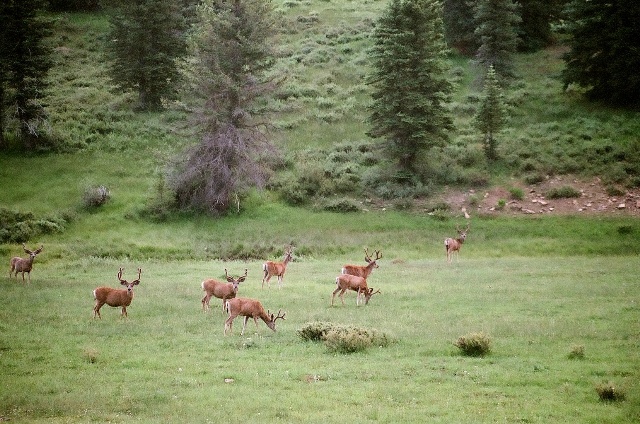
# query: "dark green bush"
341, 205
315, 331
563, 192
609, 392
533, 178
474, 344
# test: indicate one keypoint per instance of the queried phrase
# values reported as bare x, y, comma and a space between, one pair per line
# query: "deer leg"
342, 296
96, 310
333, 295
244, 325
124, 312
205, 303
228, 324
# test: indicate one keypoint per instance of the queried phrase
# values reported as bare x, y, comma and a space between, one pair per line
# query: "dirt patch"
594, 199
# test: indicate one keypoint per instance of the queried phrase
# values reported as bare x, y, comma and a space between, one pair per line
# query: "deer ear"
124, 282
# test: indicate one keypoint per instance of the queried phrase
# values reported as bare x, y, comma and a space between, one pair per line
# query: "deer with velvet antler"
117, 298
453, 245
23, 265
249, 308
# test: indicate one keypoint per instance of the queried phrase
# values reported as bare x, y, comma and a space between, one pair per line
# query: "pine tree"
492, 113
25, 62
459, 25
604, 57
497, 24
409, 81
145, 39
226, 75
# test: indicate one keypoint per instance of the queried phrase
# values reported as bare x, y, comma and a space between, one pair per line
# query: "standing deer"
249, 308
453, 245
360, 270
271, 268
224, 291
22, 265
115, 297
346, 282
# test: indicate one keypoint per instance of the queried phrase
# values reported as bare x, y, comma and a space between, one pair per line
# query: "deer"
453, 245
271, 268
249, 308
224, 291
360, 270
346, 282
115, 297
23, 265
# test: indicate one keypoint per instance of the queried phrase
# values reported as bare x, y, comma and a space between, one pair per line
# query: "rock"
622, 206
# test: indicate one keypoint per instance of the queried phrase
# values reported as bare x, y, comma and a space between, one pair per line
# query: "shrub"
534, 178
563, 192
474, 344
341, 205
343, 339
577, 352
608, 392
315, 331
94, 197
516, 193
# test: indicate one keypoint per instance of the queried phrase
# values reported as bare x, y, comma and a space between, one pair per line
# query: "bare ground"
594, 199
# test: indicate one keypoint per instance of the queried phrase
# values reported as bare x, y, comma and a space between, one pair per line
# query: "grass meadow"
169, 361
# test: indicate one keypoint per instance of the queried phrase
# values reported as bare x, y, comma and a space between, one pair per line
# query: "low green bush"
474, 344
564, 192
577, 352
516, 193
343, 338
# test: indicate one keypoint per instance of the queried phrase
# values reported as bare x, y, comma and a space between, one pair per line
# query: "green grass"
168, 361
538, 286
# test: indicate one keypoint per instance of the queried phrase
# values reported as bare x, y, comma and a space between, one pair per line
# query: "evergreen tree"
226, 75
535, 28
145, 39
491, 115
497, 25
25, 61
604, 56
409, 81
460, 26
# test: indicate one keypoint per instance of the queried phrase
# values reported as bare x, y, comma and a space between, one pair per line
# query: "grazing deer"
453, 245
249, 308
363, 271
224, 291
22, 265
271, 268
115, 297
346, 282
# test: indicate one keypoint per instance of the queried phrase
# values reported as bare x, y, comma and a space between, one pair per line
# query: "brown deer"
453, 245
360, 270
115, 297
224, 291
249, 308
346, 282
22, 265
271, 268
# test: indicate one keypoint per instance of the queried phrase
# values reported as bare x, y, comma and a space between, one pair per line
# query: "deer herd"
351, 278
